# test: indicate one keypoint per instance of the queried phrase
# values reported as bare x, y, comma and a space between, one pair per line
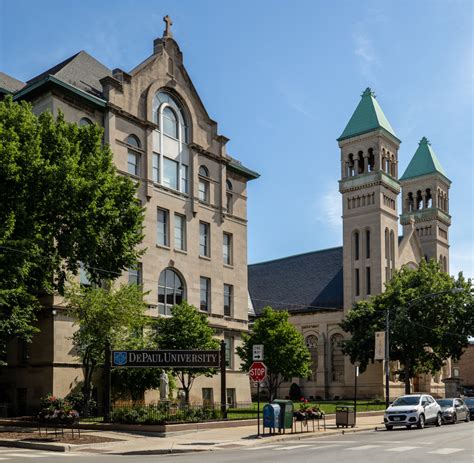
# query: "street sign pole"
223, 382
258, 409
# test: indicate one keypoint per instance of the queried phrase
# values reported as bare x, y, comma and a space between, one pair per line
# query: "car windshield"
445, 402
469, 401
407, 400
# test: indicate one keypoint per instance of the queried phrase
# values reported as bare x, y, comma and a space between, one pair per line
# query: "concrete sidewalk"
215, 439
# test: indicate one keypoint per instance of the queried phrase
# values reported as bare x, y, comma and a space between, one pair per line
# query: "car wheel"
439, 420
389, 427
455, 418
421, 422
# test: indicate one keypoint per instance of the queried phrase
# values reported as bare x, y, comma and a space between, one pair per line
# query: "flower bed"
57, 412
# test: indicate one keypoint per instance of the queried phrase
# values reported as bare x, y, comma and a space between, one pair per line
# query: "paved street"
448, 443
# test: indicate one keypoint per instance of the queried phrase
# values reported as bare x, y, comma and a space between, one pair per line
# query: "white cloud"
327, 209
293, 97
364, 49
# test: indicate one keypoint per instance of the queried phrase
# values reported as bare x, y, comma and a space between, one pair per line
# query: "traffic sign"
257, 350
258, 372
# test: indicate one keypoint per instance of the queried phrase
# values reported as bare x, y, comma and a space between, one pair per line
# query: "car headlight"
414, 410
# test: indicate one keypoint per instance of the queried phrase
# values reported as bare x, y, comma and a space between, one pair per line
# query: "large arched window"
171, 291
356, 245
170, 150
337, 358
85, 121
312, 345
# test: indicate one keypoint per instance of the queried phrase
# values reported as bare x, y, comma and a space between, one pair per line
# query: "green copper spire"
423, 162
367, 117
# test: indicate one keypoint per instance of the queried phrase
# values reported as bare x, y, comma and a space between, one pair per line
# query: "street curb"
35, 445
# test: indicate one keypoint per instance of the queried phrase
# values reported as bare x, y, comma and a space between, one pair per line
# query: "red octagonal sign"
258, 372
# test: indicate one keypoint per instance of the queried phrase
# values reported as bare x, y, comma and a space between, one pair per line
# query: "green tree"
136, 381
61, 203
103, 318
426, 328
285, 352
186, 329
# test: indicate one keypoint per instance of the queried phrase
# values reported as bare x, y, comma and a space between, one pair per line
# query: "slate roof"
367, 117
9, 83
302, 283
81, 70
423, 162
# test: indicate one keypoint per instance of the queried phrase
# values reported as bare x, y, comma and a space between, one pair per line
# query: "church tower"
369, 188
425, 193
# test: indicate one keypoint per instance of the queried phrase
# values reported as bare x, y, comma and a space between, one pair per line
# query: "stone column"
356, 164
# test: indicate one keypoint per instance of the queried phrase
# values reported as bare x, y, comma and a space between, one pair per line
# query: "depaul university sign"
166, 358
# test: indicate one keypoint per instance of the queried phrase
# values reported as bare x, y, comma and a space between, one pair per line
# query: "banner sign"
379, 345
166, 358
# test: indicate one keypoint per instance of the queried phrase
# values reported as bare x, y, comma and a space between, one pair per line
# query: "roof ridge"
295, 255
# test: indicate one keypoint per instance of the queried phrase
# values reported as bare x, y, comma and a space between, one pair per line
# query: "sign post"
258, 373
223, 382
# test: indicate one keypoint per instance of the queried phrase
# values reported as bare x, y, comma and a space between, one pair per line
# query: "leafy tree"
186, 329
286, 354
61, 203
426, 328
135, 381
103, 317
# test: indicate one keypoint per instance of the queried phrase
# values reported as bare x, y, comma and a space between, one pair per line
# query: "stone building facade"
319, 288
195, 196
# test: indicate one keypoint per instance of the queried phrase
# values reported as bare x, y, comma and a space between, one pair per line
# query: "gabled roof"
81, 70
302, 283
423, 162
367, 117
10, 84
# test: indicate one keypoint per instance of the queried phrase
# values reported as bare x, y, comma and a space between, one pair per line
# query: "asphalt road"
449, 443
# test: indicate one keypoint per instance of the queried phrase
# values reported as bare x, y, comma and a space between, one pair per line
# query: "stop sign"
258, 372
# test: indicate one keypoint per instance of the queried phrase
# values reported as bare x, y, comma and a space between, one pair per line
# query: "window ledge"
231, 266
205, 257
181, 251
162, 246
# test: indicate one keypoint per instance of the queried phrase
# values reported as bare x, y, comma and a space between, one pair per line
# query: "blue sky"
282, 79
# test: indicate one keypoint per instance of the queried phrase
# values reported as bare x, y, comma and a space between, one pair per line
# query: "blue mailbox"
271, 416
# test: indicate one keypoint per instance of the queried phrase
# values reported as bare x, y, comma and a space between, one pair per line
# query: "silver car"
454, 410
413, 409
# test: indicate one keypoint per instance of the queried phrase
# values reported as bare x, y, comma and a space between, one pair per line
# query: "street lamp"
387, 340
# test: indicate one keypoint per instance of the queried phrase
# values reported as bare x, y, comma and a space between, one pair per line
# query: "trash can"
286, 414
345, 416
271, 417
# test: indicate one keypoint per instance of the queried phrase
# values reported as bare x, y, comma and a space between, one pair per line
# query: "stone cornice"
425, 215
368, 180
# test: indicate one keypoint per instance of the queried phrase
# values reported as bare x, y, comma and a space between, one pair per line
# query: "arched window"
170, 122
171, 155
229, 197
133, 157
445, 264
337, 358
392, 252
371, 160
312, 345
170, 108
85, 121
203, 184
171, 291
228, 185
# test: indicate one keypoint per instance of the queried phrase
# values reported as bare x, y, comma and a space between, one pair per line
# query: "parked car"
470, 404
413, 409
453, 410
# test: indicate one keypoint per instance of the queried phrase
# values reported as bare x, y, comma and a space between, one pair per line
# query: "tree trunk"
407, 378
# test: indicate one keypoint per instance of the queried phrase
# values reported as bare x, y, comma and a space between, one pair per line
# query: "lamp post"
387, 331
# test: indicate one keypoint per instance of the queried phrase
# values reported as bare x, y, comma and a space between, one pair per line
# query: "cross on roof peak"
169, 23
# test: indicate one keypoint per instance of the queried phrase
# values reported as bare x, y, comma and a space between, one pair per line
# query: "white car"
413, 409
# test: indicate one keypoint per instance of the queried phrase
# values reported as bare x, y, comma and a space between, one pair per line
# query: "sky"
282, 79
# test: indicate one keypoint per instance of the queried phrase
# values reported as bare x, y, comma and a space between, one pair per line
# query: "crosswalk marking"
446, 451
292, 447
263, 447
363, 447
24, 455
401, 449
